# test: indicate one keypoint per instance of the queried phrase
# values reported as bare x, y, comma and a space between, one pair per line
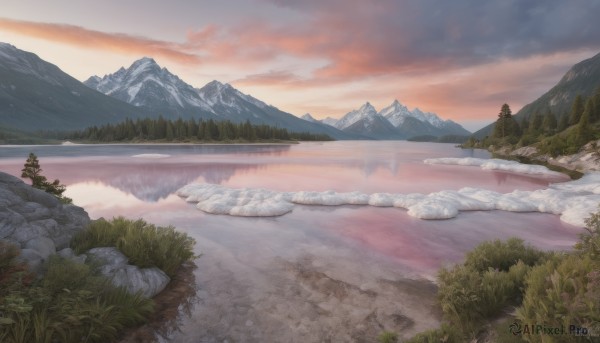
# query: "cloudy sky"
461, 59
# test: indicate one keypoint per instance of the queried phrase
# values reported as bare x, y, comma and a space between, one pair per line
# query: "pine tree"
563, 123
536, 124
502, 128
596, 112
576, 110
549, 123
584, 132
33, 171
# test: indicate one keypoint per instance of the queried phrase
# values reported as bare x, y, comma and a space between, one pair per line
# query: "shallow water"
342, 273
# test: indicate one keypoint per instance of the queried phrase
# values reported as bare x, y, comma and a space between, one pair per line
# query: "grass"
145, 245
72, 303
506, 282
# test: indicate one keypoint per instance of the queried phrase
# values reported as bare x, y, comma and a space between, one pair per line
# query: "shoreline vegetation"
75, 302
568, 140
505, 288
161, 130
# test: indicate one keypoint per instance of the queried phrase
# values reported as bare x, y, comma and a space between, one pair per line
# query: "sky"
461, 59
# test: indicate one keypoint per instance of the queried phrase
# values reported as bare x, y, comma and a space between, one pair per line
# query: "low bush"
562, 293
145, 245
445, 334
387, 337
502, 255
72, 303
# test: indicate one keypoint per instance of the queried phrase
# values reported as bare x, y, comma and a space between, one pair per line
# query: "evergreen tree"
563, 123
503, 127
524, 125
576, 110
549, 123
584, 132
596, 112
535, 127
33, 171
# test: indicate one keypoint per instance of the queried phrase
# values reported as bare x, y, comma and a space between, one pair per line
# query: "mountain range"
581, 79
393, 122
35, 94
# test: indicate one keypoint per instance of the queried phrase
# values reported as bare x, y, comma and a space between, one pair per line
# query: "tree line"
561, 134
190, 130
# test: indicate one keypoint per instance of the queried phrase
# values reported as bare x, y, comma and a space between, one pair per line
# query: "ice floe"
572, 200
494, 164
151, 156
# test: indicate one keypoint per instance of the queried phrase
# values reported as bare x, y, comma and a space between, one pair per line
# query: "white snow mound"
572, 200
151, 156
494, 164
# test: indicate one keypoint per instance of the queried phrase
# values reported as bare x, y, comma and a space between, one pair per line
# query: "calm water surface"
339, 273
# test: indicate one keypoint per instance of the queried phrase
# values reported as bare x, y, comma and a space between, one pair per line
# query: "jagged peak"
7, 46
367, 106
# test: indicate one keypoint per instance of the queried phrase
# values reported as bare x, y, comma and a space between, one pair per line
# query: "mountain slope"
430, 124
35, 94
582, 79
146, 85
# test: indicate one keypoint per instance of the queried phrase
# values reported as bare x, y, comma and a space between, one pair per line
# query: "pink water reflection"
111, 182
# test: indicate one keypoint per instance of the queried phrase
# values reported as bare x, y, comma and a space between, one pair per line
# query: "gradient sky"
461, 59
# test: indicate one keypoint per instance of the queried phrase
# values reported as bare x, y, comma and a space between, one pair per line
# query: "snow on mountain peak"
396, 113
308, 117
365, 111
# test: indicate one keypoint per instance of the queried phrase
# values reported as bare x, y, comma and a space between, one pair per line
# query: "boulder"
36, 221
148, 281
33, 260
69, 254
44, 246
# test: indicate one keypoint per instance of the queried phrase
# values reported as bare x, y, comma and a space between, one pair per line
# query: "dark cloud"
415, 36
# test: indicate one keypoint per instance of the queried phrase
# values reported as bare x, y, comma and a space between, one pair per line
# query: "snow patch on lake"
151, 156
572, 200
495, 164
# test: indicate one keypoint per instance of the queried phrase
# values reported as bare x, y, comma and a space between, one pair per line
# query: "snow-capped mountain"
366, 122
35, 94
329, 121
397, 114
146, 85
365, 111
308, 117
396, 122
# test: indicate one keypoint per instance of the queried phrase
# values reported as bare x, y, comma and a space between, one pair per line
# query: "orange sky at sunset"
457, 59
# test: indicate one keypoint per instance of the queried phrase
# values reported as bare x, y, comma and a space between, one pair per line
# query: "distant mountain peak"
308, 117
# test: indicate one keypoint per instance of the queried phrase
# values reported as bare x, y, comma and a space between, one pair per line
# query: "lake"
318, 273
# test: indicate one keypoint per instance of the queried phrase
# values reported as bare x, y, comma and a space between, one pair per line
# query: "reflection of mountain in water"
147, 180
159, 181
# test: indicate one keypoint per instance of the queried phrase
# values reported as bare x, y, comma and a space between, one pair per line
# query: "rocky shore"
41, 226
585, 161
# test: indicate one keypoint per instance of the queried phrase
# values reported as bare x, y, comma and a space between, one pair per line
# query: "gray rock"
66, 253
69, 254
30, 218
149, 281
9, 222
33, 260
44, 246
110, 258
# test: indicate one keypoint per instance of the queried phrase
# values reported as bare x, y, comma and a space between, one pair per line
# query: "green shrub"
445, 334
387, 337
145, 245
13, 275
502, 255
490, 281
563, 292
72, 303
